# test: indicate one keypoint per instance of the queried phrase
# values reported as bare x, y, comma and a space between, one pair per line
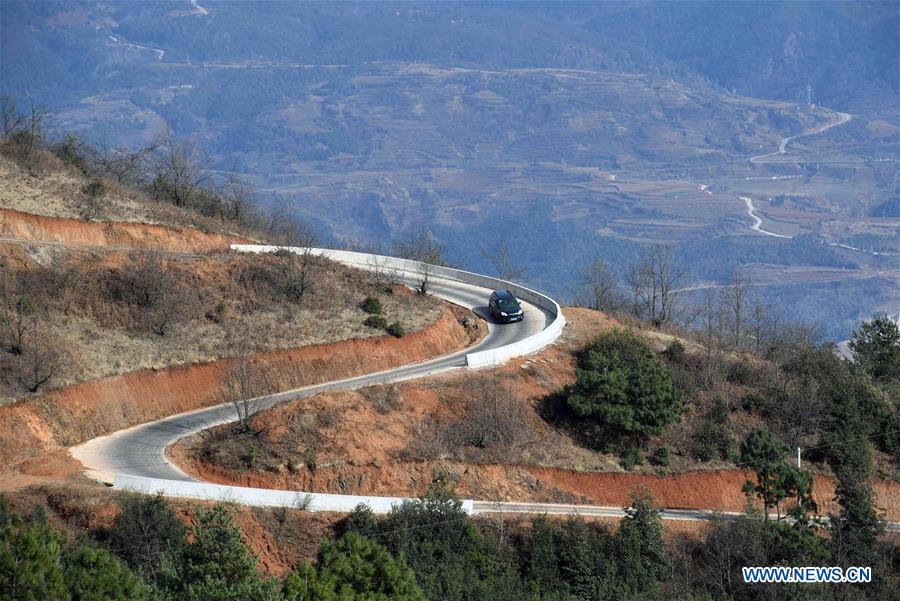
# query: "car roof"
504, 294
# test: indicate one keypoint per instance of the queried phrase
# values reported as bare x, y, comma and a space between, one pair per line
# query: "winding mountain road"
782, 146
770, 158
141, 450
757, 220
135, 458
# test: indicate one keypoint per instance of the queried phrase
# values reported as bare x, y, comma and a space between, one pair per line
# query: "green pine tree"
94, 574
623, 392
146, 533
875, 346
359, 569
776, 479
31, 566
216, 565
641, 551
856, 527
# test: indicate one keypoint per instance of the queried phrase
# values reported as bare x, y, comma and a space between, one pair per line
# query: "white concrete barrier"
260, 497
412, 269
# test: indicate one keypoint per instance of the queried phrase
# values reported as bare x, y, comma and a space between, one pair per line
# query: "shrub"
94, 188
674, 353
354, 567
94, 573
623, 393
217, 314
629, 458
251, 455
71, 151
145, 532
713, 438
396, 329
660, 456
754, 401
372, 305
383, 398
376, 321
740, 372
90, 203
712, 441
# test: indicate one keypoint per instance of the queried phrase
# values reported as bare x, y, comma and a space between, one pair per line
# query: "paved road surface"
140, 451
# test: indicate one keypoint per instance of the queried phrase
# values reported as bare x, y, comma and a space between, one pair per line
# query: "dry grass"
55, 190
222, 298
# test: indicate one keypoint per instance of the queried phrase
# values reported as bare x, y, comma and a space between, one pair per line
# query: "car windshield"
508, 303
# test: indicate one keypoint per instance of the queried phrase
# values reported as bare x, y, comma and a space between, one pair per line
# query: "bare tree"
710, 320
246, 381
424, 278
282, 226
177, 174
655, 282
122, 166
504, 266
421, 246
277, 220
297, 271
10, 118
17, 305
599, 287
33, 127
757, 323
239, 201
734, 301
41, 360
385, 274
244, 385
154, 291
492, 418
799, 409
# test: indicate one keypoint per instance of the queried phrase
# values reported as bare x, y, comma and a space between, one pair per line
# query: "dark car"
505, 307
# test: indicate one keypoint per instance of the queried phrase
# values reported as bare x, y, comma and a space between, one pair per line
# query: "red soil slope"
71, 415
26, 226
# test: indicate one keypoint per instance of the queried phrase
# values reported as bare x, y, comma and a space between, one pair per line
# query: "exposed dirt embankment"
390, 440
83, 411
718, 490
27, 226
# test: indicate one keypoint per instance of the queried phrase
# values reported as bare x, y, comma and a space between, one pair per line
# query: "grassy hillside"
107, 298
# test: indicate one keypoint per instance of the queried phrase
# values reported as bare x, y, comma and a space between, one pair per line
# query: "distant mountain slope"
563, 131
847, 52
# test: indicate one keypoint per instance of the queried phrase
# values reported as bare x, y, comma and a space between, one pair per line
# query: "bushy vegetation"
431, 549
353, 567
713, 439
455, 558
396, 329
624, 394
376, 321
372, 305
876, 348
170, 170
153, 298
36, 562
